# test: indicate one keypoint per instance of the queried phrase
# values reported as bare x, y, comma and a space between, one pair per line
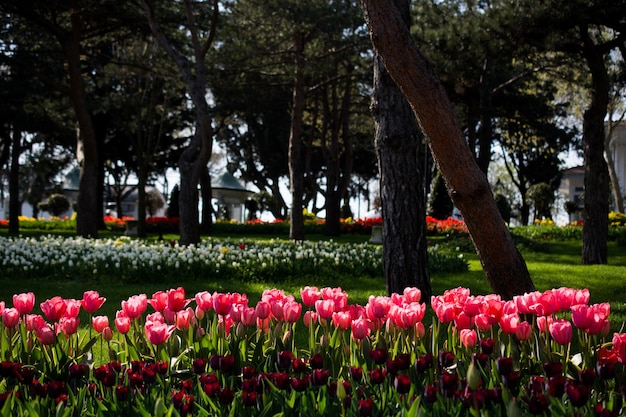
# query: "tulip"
184, 318
325, 308
360, 329
122, 322
561, 331
263, 310
309, 295
92, 301
54, 308
10, 317
158, 300
524, 330
204, 300
45, 334
468, 338
158, 333
135, 306
248, 316
176, 300
342, 320
412, 295
68, 325
292, 311
222, 303
99, 323
24, 303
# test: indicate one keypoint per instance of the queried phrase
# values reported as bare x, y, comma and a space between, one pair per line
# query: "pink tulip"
543, 323
263, 310
34, 322
309, 319
360, 329
561, 331
10, 317
248, 316
204, 301
107, 334
277, 309
222, 303
463, 321
184, 318
483, 322
420, 330
581, 296
158, 301
582, 315
325, 308
342, 320
92, 301
176, 300
99, 323
445, 312
54, 308
158, 333
68, 325
310, 295
122, 322
468, 337
412, 295
24, 303
45, 335
135, 306
377, 307
472, 306
619, 346
292, 311
72, 308
523, 331
2, 306
509, 323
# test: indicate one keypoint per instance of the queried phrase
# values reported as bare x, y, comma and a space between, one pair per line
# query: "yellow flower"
224, 249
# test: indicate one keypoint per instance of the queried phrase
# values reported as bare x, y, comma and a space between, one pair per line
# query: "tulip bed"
129, 260
315, 353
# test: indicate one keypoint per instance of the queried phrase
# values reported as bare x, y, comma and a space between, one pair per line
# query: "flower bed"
131, 260
215, 354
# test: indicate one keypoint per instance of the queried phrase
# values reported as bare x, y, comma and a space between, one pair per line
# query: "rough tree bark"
468, 187
398, 143
194, 158
14, 182
596, 220
86, 145
296, 173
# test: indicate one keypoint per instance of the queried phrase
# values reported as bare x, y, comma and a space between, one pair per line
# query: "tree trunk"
296, 174
397, 142
615, 185
207, 208
86, 147
468, 187
14, 182
141, 200
341, 160
596, 220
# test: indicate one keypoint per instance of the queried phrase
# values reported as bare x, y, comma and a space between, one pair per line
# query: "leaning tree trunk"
398, 143
596, 220
467, 185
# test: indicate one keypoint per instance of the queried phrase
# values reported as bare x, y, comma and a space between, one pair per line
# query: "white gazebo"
230, 195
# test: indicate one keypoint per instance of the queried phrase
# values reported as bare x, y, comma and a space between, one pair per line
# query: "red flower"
92, 301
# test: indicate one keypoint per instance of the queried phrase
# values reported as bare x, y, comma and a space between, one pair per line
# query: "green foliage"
439, 203
56, 204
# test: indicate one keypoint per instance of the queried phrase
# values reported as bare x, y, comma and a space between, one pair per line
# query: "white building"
572, 184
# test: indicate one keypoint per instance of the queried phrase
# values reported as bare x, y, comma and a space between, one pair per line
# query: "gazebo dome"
227, 189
